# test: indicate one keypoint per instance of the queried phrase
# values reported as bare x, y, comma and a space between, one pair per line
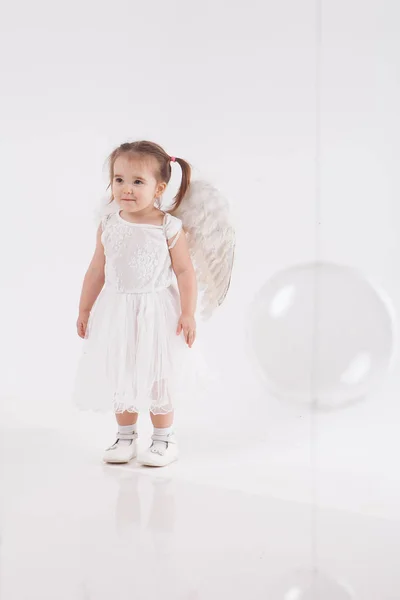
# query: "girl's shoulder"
172, 225
106, 219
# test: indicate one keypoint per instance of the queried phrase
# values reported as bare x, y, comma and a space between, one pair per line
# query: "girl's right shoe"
124, 449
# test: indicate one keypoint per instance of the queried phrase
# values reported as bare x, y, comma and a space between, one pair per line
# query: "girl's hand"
187, 324
81, 324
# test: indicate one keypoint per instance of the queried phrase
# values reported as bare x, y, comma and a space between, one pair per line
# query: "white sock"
163, 431
159, 436
129, 429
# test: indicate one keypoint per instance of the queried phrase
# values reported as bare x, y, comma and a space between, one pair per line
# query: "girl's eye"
118, 179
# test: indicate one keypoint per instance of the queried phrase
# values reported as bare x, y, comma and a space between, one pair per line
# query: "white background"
232, 89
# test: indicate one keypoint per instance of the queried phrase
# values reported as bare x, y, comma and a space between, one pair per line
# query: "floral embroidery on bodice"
137, 255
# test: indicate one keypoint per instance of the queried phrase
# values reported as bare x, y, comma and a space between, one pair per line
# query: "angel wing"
104, 207
204, 213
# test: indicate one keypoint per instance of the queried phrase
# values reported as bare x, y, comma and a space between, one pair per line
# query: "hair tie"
172, 159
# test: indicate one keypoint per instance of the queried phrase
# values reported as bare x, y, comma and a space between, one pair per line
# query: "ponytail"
185, 183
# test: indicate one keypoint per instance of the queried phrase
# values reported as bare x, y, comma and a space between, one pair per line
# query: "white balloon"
321, 333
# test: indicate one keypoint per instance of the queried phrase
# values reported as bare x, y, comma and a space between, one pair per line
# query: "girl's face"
134, 186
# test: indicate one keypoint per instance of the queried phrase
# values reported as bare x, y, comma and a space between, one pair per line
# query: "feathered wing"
204, 213
105, 207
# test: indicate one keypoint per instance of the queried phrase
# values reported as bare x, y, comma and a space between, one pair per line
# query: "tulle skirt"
133, 360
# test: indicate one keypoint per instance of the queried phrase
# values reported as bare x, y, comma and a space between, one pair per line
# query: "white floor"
236, 517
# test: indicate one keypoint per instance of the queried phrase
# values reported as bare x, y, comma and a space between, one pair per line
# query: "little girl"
139, 331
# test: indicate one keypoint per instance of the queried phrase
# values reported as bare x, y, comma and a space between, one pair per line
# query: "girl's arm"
94, 278
187, 283
185, 274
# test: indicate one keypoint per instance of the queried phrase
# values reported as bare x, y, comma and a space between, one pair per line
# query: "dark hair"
163, 174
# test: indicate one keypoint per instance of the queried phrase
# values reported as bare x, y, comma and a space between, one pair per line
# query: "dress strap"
165, 224
105, 220
175, 240
175, 236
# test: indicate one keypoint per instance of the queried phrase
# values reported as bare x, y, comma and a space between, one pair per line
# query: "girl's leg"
163, 449
162, 421
127, 418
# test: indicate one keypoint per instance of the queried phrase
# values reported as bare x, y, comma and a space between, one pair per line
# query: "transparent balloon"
321, 334
309, 585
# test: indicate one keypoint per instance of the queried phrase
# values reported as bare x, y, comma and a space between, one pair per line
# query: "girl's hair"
144, 149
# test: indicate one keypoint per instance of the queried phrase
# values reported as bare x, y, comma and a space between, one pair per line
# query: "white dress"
133, 360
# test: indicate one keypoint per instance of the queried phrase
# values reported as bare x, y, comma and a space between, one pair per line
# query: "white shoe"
161, 453
122, 452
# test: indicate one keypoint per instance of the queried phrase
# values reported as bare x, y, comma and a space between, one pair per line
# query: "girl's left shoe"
161, 453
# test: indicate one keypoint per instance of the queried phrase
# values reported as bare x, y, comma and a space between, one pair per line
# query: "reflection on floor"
74, 529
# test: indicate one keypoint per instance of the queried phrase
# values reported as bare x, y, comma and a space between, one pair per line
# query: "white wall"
231, 88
